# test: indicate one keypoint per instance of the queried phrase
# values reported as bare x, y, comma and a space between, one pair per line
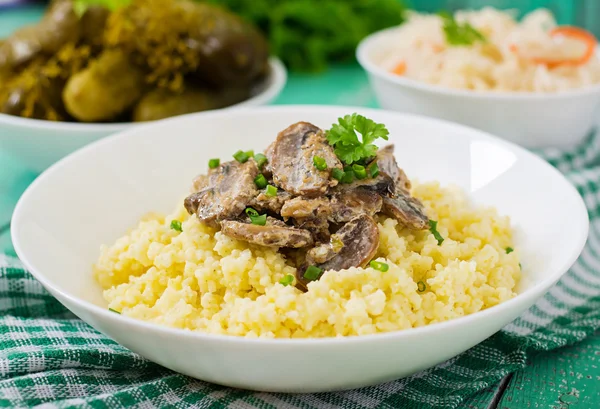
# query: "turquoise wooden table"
547, 380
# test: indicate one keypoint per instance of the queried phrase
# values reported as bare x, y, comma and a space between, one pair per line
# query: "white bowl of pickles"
80, 75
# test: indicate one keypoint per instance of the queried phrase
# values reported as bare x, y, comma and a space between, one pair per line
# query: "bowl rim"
363, 58
536, 291
275, 83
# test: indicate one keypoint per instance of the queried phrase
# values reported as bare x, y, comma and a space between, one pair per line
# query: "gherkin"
147, 60
179, 39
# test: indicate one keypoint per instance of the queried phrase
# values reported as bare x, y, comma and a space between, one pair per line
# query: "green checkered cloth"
50, 358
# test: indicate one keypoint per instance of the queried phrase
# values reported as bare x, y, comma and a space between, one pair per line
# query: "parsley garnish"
115, 311
436, 234
509, 250
459, 34
348, 148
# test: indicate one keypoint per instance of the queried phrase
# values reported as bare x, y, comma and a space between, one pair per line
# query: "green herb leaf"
241, 156
176, 225
260, 159
271, 191
436, 234
377, 265
115, 311
458, 34
319, 163
255, 217
312, 273
348, 148
287, 280
509, 250
214, 163
421, 286
260, 181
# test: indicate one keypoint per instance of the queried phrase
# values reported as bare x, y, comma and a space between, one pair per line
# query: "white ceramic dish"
38, 144
529, 119
96, 194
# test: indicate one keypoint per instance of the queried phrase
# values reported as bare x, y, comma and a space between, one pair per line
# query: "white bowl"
533, 120
38, 143
96, 194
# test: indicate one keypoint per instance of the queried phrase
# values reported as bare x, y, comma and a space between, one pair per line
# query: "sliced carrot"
400, 69
575, 33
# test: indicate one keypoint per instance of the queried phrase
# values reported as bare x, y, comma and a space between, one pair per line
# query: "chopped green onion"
251, 212
347, 168
250, 154
348, 177
312, 273
421, 286
287, 280
111, 310
520, 266
337, 174
359, 171
176, 225
319, 163
377, 265
255, 218
241, 156
260, 160
271, 191
260, 181
509, 250
214, 163
436, 234
373, 169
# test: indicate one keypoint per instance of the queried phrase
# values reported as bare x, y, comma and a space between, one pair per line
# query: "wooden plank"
568, 378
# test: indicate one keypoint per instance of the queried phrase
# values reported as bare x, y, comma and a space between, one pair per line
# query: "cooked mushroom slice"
382, 184
229, 191
311, 214
302, 207
359, 242
199, 183
273, 204
402, 182
325, 251
274, 234
407, 210
388, 165
291, 160
319, 227
351, 203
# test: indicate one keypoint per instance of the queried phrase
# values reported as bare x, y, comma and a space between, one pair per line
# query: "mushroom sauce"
302, 198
